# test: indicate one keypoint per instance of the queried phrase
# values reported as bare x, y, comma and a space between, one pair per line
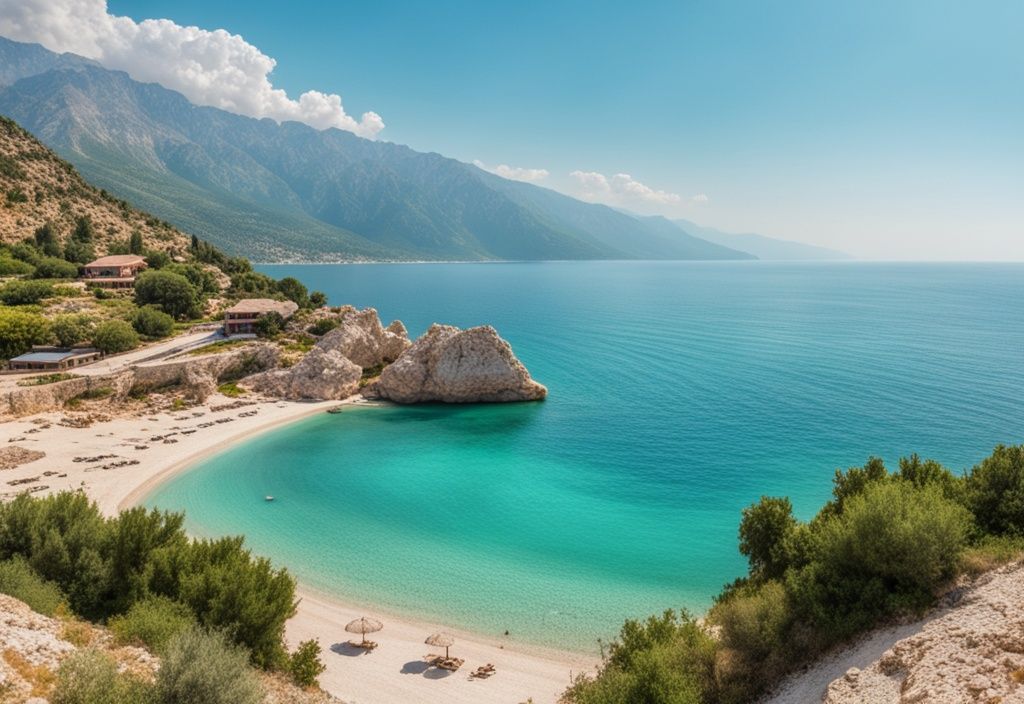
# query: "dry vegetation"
37, 187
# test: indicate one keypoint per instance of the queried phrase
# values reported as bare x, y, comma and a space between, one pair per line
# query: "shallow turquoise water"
679, 393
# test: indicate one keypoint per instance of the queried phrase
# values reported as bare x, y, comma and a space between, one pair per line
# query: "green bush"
304, 664
19, 293
91, 677
72, 328
152, 622
18, 579
765, 531
151, 322
995, 491
47, 241
294, 290
155, 259
269, 324
20, 330
14, 267
173, 293
55, 268
114, 336
203, 281
323, 326
253, 284
204, 668
317, 299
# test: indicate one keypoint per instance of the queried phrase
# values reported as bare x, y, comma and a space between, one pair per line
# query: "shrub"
18, 579
252, 283
151, 322
891, 547
47, 241
203, 668
995, 491
155, 259
79, 252
317, 299
174, 293
323, 326
114, 336
269, 324
20, 330
153, 623
231, 389
72, 328
135, 245
765, 530
14, 267
19, 293
294, 290
55, 268
91, 677
304, 664
203, 281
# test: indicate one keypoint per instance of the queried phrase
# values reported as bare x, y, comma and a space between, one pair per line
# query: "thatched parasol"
363, 626
441, 640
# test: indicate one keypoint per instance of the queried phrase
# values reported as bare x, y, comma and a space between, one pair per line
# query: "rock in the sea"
459, 366
323, 374
361, 338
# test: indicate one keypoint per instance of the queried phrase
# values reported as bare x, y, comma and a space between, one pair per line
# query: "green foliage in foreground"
884, 546
152, 623
90, 677
105, 566
151, 322
18, 293
304, 664
204, 668
72, 328
18, 579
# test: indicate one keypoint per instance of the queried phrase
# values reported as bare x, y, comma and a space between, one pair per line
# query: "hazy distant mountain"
289, 191
760, 246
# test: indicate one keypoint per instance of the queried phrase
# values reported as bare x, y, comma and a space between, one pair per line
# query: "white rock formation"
459, 366
361, 338
323, 374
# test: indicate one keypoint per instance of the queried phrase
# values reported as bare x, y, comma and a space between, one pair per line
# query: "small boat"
336, 409
268, 497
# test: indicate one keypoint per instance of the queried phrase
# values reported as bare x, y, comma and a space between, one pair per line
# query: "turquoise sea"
679, 393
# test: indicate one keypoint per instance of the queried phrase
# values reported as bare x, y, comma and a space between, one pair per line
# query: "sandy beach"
118, 461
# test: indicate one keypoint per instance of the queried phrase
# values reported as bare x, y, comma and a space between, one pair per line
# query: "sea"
679, 393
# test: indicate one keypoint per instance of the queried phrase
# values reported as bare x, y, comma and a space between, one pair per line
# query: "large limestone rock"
362, 339
459, 366
322, 375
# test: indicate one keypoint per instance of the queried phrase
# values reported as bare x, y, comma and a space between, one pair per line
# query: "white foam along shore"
127, 457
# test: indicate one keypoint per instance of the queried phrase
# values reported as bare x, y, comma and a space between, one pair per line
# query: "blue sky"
890, 130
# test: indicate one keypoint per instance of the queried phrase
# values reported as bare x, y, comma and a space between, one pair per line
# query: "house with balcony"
115, 271
240, 319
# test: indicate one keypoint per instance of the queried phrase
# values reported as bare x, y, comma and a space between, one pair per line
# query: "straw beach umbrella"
441, 640
363, 626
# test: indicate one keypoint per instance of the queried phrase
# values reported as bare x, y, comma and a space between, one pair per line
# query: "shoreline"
120, 461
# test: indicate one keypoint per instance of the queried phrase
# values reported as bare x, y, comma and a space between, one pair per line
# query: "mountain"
288, 191
38, 187
762, 247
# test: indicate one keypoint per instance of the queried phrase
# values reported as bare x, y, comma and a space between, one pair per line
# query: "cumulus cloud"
619, 189
700, 198
515, 173
214, 68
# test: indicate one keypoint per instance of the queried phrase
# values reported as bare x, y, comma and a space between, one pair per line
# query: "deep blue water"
679, 393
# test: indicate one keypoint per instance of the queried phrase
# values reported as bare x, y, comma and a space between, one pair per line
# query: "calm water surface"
679, 393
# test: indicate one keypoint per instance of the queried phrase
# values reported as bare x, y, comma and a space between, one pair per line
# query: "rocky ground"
970, 651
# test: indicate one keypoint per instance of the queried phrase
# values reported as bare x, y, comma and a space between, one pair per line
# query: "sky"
890, 130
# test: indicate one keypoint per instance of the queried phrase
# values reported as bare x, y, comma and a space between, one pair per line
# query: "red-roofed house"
115, 271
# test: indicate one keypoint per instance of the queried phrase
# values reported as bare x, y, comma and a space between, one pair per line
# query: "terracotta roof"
264, 305
118, 260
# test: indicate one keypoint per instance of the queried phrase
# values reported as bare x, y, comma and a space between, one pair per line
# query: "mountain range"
290, 192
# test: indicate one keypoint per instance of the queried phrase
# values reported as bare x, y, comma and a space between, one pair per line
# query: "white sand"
395, 672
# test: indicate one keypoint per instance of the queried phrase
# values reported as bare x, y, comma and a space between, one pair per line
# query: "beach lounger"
451, 664
367, 645
484, 671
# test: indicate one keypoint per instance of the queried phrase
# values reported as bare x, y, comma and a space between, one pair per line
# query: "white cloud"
619, 189
515, 173
209, 67
700, 198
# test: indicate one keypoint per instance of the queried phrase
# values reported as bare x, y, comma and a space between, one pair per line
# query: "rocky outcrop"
361, 338
29, 400
235, 363
970, 652
459, 366
323, 374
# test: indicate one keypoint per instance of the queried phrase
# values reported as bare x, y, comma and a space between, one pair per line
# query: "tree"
47, 240
252, 283
55, 268
135, 245
317, 299
294, 290
304, 664
19, 293
20, 330
269, 324
151, 322
204, 281
172, 292
115, 336
70, 329
155, 259
764, 531
15, 267
83, 231
79, 252
995, 491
